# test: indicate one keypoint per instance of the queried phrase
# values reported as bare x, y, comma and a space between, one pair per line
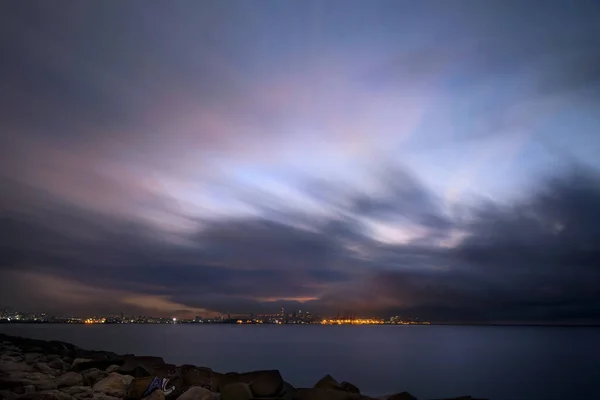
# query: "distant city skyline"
295, 317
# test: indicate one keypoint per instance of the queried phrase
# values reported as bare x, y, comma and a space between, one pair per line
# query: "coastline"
32, 369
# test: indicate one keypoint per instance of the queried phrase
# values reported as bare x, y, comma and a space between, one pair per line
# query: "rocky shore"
51, 370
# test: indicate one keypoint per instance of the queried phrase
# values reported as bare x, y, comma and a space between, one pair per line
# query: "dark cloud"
534, 260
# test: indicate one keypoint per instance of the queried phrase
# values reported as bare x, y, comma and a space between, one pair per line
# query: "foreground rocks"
51, 370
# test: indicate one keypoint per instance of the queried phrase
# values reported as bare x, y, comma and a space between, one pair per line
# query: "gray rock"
196, 393
114, 384
93, 375
59, 364
113, 368
69, 379
44, 368
78, 390
9, 365
23, 378
32, 358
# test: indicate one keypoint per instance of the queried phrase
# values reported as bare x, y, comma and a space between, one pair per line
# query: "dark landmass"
33, 369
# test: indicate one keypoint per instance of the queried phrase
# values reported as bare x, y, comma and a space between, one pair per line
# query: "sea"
429, 361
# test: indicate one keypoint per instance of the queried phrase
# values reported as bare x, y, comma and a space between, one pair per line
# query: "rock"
81, 364
327, 394
236, 391
156, 395
266, 383
78, 390
402, 396
79, 361
93, 375
114, 384
348, 387
44, 368
196, 393
59, 364
113, 368
7, 395
9, 365
194, 376
47, 395
32, 358
69, 379
23, 378
28, 389
327, 382
102, 396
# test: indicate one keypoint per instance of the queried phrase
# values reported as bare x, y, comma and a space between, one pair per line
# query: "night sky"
434, 159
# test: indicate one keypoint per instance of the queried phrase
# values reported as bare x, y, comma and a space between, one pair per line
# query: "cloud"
533, 260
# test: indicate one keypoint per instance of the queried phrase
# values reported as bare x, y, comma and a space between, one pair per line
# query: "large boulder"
266, 383
113, 368
196, 393
59, 364
236, 391
32, 358
114, 384
93, 375
45, 368
195, 376
69, 379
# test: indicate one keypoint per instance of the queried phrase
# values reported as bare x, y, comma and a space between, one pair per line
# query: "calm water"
499, 363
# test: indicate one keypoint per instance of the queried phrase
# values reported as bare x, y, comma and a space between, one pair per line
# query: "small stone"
69, 379
196, 393
236, 391
113, 368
